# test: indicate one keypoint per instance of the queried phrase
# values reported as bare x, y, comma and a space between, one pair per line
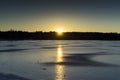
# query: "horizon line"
12, 30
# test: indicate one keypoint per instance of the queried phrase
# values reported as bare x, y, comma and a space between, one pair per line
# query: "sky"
69, 15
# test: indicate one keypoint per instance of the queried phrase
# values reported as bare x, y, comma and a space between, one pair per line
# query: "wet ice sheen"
60, 60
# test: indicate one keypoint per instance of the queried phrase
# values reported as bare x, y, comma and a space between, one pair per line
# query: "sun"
59, 31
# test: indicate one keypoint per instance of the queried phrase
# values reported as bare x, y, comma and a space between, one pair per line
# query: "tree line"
39, 35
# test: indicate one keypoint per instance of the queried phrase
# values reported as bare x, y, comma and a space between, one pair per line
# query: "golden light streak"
59, 68
59, 54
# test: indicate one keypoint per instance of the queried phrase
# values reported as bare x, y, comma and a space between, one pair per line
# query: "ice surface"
59, 60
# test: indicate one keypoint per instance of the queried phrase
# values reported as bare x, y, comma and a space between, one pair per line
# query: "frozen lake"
59, 60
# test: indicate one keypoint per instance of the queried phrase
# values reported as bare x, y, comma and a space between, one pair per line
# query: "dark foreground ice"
11, 77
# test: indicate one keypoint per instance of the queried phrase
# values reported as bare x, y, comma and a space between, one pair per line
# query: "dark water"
59, 60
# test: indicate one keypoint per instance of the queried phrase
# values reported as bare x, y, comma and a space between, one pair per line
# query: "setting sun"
59, 31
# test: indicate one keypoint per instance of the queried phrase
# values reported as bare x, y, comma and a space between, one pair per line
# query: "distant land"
39, 35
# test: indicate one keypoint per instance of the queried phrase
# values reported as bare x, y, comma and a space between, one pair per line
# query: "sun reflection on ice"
59, 54
60, 74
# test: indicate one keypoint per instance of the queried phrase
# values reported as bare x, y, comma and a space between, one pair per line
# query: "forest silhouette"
39, 35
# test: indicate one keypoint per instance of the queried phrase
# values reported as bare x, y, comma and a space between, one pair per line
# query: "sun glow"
59, 31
